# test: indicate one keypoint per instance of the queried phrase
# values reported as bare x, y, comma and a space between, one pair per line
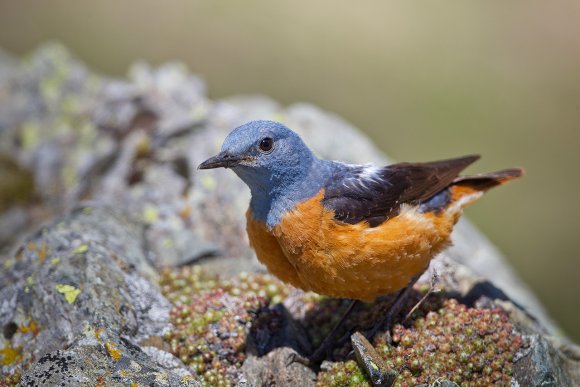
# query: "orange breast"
312, 251
269, 252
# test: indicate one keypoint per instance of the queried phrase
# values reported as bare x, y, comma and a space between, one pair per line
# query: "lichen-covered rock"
79, 302
75, 303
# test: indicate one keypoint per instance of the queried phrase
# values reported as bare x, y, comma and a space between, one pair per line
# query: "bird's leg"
394, 309
432, 289
328, 340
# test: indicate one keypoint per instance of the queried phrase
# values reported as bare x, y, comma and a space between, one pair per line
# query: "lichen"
81, 249
13, 359
9, 355
32, 327
113, 350
70, 292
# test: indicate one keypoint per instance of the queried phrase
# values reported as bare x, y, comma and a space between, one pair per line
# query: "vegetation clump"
9, 380
212, 318
178, 286
442, 339
468, 346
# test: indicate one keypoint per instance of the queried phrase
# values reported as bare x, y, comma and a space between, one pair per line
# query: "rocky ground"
111, 245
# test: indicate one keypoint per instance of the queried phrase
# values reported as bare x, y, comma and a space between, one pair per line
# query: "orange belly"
312, 251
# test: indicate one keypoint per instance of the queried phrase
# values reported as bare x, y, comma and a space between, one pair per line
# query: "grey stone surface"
373, 364
79, 286
548, 363
277, 369
130, 148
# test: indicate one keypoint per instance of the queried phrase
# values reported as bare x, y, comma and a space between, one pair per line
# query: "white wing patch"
370, 172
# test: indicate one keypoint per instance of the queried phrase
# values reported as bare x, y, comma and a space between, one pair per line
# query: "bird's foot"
329, 341
387, 320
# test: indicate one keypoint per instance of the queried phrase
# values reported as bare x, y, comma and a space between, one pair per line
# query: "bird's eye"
266, 145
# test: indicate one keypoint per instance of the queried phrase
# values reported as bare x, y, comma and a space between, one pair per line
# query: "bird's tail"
467, 189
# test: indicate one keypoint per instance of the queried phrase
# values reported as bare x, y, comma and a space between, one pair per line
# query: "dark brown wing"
357, 193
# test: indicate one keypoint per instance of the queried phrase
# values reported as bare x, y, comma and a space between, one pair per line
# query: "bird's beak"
221, 160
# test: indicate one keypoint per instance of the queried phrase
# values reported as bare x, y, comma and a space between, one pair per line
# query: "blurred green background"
425, 80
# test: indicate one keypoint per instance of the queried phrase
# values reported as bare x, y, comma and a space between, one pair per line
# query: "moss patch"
443, 339
471, 347
212, 318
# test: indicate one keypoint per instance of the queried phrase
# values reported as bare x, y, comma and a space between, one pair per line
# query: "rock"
115, 160
371, 361
287, 333
548, 363
277, 368
76, 302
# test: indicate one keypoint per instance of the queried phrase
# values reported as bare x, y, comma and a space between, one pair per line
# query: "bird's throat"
276, 196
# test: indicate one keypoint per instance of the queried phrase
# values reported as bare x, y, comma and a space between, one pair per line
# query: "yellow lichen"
81, 249
9, 355
98, 333
113, 350
31, 327
150, 214
70, 292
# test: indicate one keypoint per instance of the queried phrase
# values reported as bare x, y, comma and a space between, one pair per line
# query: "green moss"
345, 373
443, 339
212, 318
178, 286
210, 333
454, 342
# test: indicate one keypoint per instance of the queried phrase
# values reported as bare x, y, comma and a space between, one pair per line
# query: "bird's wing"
371, 194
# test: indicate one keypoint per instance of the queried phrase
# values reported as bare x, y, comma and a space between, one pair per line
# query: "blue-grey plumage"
279, 177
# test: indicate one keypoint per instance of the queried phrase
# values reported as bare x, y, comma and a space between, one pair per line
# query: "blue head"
274, 162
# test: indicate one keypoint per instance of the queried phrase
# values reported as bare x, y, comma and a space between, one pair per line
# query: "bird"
344, 230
